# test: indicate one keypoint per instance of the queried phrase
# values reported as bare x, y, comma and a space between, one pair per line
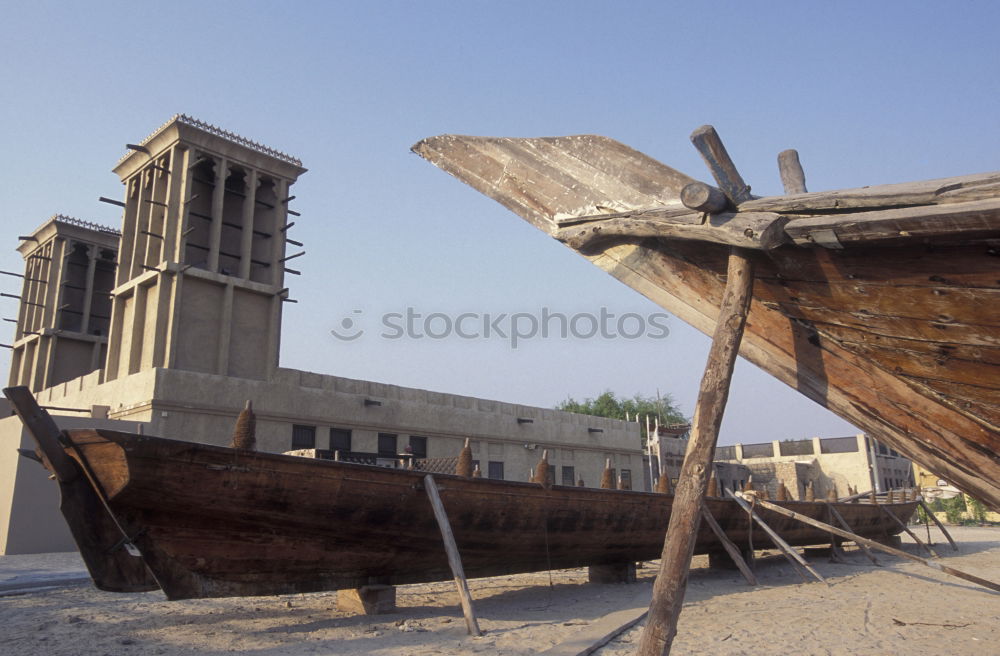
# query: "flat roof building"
169, 326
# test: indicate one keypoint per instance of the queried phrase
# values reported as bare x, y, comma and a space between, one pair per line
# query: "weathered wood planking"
854, 387
832, 323
212, 521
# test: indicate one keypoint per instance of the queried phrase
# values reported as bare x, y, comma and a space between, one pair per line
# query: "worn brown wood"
701, 197
875, 545
713, 151
906, 528
668, 590
790, 553
953, 221
730, 548
756, 230
880, 335
954, 432
276, 524
454, 559
937, 521
843, 522
929, 192
97, 534
44, 431
793, 178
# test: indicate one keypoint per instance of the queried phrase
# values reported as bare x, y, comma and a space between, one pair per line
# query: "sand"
864, 610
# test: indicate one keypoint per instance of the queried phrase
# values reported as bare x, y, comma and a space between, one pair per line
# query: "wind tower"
65, 308
200, 283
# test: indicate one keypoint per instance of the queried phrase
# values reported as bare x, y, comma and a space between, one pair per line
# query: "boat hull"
214, 522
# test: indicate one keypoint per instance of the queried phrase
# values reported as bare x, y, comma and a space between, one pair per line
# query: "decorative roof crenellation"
225, 134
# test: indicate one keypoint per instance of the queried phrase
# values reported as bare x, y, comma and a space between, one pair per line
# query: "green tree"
609, 405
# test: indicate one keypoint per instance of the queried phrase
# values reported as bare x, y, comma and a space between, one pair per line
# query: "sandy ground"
865, 610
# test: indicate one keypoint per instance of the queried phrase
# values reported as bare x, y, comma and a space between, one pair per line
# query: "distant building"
169, 325
830, 464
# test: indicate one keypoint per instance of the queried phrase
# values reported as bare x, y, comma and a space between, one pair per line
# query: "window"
418, 446
568, 476
495, 470
386, 445
626, 482
340, 439
303, 437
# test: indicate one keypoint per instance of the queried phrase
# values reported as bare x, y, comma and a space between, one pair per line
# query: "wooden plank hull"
895, 327
212, 521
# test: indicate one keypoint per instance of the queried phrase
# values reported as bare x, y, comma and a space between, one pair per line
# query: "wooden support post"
836, 553
730, 548
881, 547
701, 197
792, 176
906, 528
685, 516
712, 150
792, 555
843, 522
939, 524
453, 558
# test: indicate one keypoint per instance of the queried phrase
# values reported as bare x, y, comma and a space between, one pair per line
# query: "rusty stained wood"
687, 282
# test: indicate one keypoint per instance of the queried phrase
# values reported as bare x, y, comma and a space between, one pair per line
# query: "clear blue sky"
869, 93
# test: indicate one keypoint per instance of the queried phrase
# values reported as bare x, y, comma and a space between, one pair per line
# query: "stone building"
169, 326
830, 464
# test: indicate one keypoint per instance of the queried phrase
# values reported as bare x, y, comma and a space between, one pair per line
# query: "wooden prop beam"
906, 528
881, 547
712, 150
685, 516
454, 560
790, 553
44, 430
730, 548
836, 553
843, 522
938, 523
793, 178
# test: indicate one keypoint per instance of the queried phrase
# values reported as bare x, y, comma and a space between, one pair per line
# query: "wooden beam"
728, 545
44, 430
843, 522
836, 553
792, 555
881, 547
755, 230
701, 197
685, 516
906, 528
454, 560
937, 521
793, 178
712, 150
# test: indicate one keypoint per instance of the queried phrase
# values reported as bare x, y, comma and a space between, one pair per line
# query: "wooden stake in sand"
881, 547
454, 560
939, 524
685, 515
791, 554
728, 545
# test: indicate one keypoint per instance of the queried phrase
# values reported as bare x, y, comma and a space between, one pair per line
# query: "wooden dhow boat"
197, 520
881, 304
